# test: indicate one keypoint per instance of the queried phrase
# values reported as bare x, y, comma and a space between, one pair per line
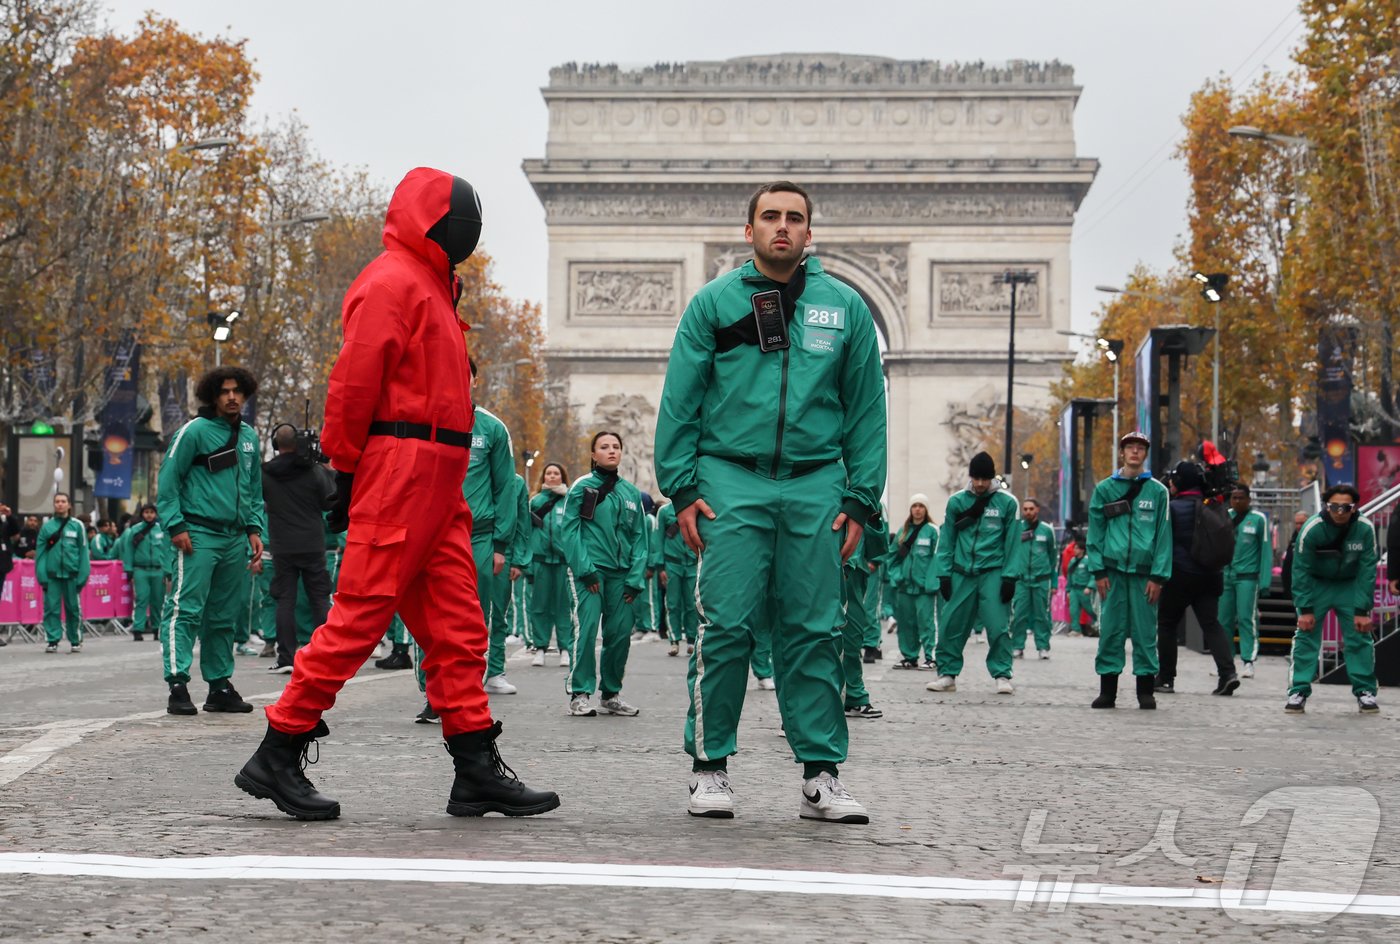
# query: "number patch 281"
834, 318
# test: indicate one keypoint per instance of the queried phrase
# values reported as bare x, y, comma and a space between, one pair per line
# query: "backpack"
1213, 541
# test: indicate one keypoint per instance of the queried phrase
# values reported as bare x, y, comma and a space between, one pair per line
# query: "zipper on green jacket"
782, 417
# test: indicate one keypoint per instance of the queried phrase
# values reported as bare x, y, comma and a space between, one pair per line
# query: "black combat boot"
276, 772
484, 784
1145, 684
179, 703
397, 659
1108, 692
225, 698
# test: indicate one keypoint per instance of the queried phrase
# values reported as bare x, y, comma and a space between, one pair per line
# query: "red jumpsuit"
408, 550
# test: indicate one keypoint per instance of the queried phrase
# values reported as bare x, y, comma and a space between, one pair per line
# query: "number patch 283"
834, 318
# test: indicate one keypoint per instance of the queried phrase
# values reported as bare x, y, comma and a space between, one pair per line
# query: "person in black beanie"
1192, 584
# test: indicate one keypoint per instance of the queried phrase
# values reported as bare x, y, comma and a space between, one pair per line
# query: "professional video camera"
1220, 473
308, 443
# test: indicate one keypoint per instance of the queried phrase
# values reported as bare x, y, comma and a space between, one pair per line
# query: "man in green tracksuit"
1250, 572
771, 442
257, 611
210, 501
1040, 566
1334, 569
1129, 546
101, 547
551, 604
144, 550
978, 566
62, 563
490, 492
517, 558
859, 609
678, 578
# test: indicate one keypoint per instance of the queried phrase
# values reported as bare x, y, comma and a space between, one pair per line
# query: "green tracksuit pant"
859, 618
603, 612
770, 559
1030, 613
502, 588
645, 613
518, 619
483, 554
256, 608
874, 602
205, 590
1081, 600
398, 632
976, 601
1239, 613
148, 589
682, 616
62, 612
914, 616
551, 607
1358, 649
1126, 614
761, 662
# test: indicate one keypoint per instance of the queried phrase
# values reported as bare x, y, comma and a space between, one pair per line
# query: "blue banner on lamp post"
118, 422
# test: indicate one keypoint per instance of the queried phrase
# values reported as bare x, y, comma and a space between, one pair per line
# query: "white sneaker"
1247, 670
1366, 701
1042, 654
513, 639
1004, 686
580, 708
538, 660
500, 685
378, 653
766, 684
1019, 654
944, 683
637, 635
614, 705
563, 658
711, 795
824, 798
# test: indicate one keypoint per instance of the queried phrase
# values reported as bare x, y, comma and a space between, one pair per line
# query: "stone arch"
888, 310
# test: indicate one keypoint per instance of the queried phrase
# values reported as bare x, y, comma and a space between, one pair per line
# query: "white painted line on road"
762, 881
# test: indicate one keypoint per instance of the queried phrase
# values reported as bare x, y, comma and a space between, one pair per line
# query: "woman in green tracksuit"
678, 577
605, 544
914, 572
551, 609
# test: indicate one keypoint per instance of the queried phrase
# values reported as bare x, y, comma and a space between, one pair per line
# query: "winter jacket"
296, 495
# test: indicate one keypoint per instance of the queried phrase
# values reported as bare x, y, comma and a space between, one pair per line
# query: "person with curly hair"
210, 501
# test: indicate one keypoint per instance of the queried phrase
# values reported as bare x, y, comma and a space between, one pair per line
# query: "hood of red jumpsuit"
421, 199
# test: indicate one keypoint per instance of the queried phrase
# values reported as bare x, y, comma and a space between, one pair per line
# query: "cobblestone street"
969, 792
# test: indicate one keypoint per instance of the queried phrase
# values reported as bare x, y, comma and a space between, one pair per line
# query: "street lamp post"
1013, 278
1213, 288
1112, 349
222, 323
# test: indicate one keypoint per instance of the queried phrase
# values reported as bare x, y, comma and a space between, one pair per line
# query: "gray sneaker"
580, 708
1366, 701
614, 705
1296, 703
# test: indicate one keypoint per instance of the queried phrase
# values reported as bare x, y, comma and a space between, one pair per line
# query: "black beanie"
982, 467
1188, 476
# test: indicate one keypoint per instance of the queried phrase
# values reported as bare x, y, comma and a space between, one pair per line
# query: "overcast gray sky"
392, 85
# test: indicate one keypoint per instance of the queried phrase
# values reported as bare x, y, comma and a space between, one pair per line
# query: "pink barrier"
1059, 602
108, 592
106, 596
22, 600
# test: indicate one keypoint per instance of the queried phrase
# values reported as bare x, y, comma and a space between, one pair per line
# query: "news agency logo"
1298, 857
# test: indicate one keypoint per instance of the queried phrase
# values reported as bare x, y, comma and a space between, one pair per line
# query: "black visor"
460, 227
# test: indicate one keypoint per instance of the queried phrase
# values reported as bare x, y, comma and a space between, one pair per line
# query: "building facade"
927, 180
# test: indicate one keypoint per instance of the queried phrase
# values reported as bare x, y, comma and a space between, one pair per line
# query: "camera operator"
297, 488
1192, 584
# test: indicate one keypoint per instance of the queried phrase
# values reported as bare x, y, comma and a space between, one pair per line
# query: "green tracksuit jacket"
69, 558
190, 494
100, 547
150, 553
676, 555
978, 557
821, 400
489, 485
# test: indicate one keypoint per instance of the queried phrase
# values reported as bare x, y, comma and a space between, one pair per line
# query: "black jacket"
9, 530
1183, 517
295, 496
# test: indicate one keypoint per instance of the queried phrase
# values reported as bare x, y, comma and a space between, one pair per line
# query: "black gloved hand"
1008, 589
945, 587
339, 518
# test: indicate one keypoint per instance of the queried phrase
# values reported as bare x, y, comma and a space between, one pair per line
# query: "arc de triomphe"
928, 180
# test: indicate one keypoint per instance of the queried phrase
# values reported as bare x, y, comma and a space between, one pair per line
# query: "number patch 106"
825, 318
